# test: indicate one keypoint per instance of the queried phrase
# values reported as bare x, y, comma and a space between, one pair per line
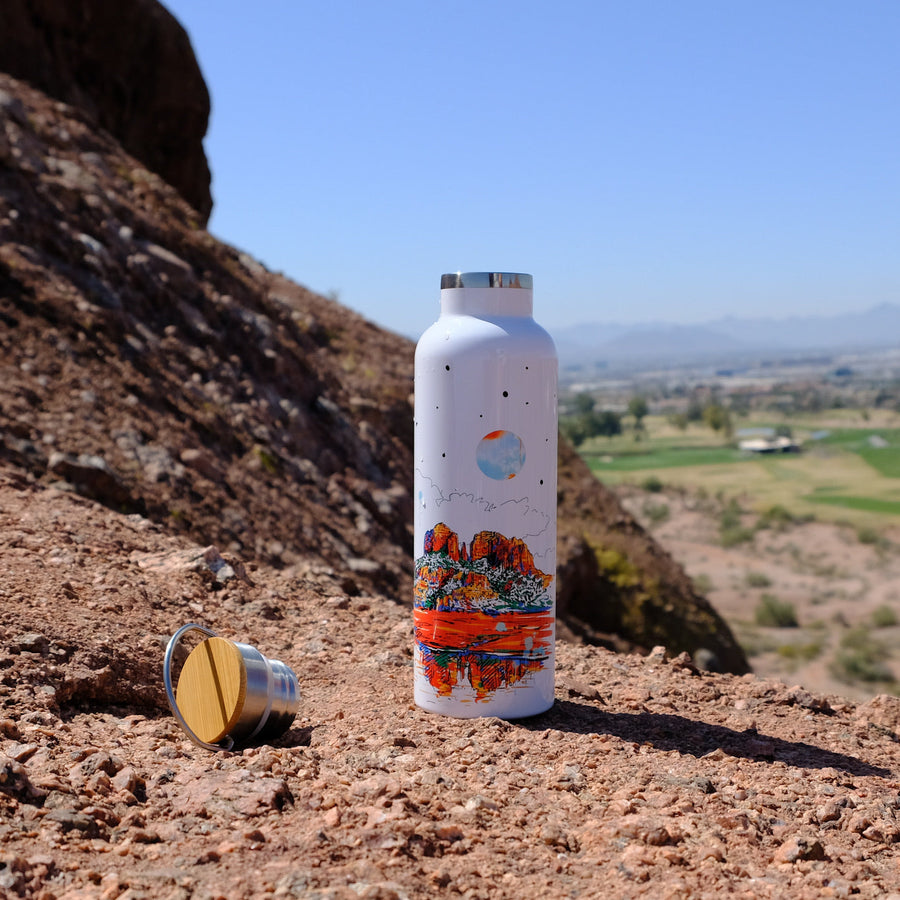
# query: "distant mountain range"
876, 327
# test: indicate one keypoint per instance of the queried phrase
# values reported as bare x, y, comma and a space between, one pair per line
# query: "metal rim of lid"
228, 742
487, 280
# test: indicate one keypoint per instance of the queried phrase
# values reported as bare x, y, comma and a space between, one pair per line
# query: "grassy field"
849, 469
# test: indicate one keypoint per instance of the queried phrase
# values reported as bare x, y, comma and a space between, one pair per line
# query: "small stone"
90, 475
72, 820
554, 836
98, 761
22, 752
111, 886
374, 816
332, 817
798, 696
883, 710
9, 730
447, 832
798, 848
657, 836
882, 832
440, 878
683, 661
32, 643
829, 811
128, 780
622, 806
707, 787
479, 802
142, 836
714, 851
578, 687
858, 823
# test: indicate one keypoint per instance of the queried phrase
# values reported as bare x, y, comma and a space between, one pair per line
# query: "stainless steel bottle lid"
229, 692
486, 280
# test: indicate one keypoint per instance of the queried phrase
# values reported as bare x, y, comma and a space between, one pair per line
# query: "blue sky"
645, 160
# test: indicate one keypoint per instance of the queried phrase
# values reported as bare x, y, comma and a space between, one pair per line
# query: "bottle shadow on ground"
665, 731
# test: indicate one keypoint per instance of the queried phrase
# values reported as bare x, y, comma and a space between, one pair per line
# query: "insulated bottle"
485, 502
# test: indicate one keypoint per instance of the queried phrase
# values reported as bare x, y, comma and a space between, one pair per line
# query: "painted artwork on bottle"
483, 612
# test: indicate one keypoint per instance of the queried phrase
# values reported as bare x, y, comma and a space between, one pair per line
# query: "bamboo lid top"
212, 688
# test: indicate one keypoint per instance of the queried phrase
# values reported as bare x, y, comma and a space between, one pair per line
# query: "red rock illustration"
442, 538
483, 613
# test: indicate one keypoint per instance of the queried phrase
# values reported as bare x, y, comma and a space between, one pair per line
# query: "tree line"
586, 421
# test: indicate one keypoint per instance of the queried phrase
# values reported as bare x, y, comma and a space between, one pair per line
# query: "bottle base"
509, 708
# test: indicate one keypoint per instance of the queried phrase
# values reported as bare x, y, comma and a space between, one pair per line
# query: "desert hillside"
166, 374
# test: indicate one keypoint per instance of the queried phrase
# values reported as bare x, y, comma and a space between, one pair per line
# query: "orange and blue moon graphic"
500, 455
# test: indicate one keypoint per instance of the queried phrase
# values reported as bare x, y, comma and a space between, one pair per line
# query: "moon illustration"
500, 455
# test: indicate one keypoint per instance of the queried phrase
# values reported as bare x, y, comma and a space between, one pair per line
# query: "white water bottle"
485, 502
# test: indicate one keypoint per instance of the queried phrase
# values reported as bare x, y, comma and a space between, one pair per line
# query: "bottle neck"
487, 302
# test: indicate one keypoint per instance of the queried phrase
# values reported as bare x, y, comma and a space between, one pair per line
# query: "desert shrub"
774, 613
652, 484
730, 517
731, 537
800, 652
757, 580
867, 535
731, 528
861, 658
617, 568
267, 459
777, 517
656, 512
884, 617
703, 583
755, 643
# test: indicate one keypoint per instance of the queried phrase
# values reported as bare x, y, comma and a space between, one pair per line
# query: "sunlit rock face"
129, 65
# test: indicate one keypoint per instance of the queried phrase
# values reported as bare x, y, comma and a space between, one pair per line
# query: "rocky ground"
647, 778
